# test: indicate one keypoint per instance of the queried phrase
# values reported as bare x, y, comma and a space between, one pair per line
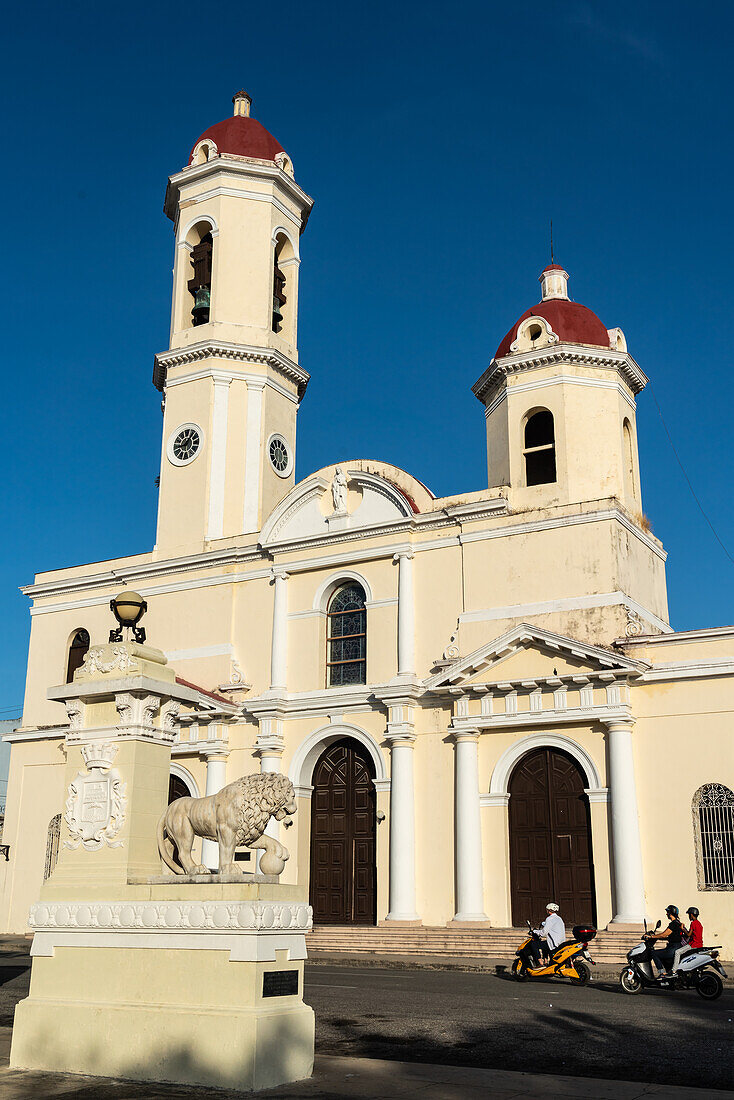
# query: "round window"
280, 455
185, 444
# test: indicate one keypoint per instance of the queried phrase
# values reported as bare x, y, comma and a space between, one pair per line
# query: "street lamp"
128, 608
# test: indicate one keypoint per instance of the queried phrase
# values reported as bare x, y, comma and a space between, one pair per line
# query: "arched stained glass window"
77, 653
346, 638
713, 826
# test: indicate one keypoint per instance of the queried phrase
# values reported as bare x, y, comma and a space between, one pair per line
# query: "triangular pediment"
526, 654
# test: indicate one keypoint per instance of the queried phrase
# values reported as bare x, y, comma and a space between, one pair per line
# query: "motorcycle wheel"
630, 982
584, 974
709, 986
518, 971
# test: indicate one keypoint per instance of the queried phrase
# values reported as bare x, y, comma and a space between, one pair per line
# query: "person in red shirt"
695, 932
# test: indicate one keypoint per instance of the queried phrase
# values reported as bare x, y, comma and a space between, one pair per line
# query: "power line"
685, 475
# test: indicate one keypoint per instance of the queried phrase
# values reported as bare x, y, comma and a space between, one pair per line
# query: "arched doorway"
550, 839
343, 872
176, 788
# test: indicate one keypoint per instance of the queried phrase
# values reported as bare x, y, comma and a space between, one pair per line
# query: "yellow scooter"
569, 960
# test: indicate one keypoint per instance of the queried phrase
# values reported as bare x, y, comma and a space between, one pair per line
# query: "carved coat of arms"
95, 806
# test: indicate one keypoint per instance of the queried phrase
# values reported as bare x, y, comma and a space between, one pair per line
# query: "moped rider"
694, 938
673, 936
552, 931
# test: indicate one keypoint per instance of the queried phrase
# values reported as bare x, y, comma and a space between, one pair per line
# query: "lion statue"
237, 815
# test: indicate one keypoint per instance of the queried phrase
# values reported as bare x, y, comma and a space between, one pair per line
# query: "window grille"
52, 845
713, 825
346, 645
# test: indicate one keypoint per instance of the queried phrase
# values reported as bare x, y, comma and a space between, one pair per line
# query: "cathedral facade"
479, 698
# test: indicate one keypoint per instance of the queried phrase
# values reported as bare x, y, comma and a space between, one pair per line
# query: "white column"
218, 453
402, 830
279, 644
216, 778
629, 883
270, 746
468, 835
253, 455
406, 618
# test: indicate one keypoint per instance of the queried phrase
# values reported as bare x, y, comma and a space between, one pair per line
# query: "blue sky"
437, 141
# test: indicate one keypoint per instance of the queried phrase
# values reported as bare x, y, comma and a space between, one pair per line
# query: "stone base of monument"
192, 984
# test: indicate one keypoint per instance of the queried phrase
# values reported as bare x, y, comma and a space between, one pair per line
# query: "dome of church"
241, 135
571, 322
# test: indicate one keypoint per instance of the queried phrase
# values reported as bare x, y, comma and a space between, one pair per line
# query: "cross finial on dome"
554, 283
242, 103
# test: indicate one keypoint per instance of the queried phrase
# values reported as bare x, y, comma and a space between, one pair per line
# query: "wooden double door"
343, 872
550, 840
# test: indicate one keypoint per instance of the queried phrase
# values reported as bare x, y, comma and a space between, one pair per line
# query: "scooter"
568, 960
691, 970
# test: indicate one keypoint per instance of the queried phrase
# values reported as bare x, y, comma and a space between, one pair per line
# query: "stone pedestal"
200, 984
195, 980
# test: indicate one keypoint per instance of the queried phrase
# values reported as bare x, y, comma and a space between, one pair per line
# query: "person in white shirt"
552, 930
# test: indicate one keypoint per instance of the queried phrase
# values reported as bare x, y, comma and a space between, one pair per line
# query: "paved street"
483, 1020
487, 1020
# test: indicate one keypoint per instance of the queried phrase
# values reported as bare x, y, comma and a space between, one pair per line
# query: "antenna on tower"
551, 236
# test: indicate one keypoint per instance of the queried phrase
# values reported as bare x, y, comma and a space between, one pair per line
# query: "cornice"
220, 349
500, 369
233, 165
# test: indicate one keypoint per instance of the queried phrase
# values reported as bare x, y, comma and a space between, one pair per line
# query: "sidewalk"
362, 1079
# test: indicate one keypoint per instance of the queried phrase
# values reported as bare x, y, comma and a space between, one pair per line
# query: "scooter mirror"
657, 926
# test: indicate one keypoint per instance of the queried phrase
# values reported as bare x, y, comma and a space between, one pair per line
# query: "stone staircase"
608, 948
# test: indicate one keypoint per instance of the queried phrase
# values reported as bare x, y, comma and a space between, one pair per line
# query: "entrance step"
608, 947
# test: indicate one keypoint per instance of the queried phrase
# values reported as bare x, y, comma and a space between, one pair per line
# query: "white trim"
219, 375
183, 233
292, 240
258, 196
586, 355
47, 734
502, 800
186, 777
175, 434
223, 650
569, 379
326, 589
570, 603
510, 757
597, 794
218, 458
285, 474
137, 571
243, 946
304, 759
681, 636
689, 670
253, 455
240, 353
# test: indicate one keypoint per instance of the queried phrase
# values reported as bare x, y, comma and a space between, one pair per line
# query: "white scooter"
690, 970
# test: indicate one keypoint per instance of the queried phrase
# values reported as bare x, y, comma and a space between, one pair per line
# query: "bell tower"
559, 400
231, 380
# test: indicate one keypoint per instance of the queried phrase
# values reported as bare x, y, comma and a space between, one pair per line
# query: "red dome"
571, 322
245, 137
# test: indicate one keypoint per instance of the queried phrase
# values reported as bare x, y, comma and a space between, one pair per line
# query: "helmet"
692, 912
673, 910
552, 907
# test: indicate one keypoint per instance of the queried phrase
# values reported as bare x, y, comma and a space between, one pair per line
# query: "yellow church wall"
35, 794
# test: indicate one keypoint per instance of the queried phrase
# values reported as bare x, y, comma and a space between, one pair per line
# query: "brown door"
550, 840
343, 836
